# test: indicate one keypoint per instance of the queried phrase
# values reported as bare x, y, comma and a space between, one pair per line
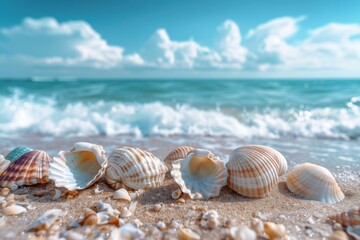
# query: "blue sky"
183, 38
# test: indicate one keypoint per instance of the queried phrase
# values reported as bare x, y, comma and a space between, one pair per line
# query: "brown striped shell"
30, 169
254, 170
350, 217
314, 182
134, 168
176, 154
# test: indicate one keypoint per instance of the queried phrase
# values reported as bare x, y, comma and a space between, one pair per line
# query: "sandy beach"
303, 219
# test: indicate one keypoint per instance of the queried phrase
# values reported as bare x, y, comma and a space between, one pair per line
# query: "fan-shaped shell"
134, 168
4, 164
31, 168
79, 168
176, 154
314, 182
350, 217
253, 171
200, 173
17, 152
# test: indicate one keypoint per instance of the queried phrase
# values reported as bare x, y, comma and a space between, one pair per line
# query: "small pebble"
180, 200
157, 207
5, 192
193, 208
161, 225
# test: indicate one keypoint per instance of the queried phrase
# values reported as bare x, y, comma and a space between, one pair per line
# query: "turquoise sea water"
242, 109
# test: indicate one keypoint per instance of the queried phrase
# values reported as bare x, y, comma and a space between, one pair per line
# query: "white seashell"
125, 212
176, 154
127, 232
351, 217
314, 182
242, 233
176, 194
132, 207
200, 172
45, 220
105, 207
188, 234
134, 168
122, 194
4, 164
98, 191
354, 231
254, 170
13, 210
135, 195
79, 168
257, 225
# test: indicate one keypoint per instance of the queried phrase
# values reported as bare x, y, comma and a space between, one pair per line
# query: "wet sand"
303, 219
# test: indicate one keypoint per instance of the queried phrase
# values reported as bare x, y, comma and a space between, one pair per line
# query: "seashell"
105, 207
17, 152
4, 164
257, 225
127, 232
56, 194
354, 231
210, 220
106, 218
132, 207
242, 232
90, 218
188, 234
135, 195
161, 225
350, 217
176, 154
176, 194
125, 212
254, 170
314, 182
200, 173
274, 231
79, 168
338, 235
122, 194
4, 192
45, 220
29, 169
13, 210
134, 168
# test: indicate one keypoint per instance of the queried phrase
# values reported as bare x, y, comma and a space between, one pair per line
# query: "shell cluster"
134, 168
254, 170
80, 167
314, 182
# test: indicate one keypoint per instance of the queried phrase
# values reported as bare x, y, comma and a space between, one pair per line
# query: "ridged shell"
176, 154
314, 182
4, 164
79, 168
350, 217
253, 171
134, 168
30, 169
17, 153
200, 173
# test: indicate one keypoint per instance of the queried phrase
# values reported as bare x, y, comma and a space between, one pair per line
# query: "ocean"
308, 120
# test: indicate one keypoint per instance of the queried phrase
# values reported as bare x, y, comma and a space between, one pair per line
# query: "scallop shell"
253, 171
45, 220
4, 164
350, 217
200, 173
80, 167
134, 168
17, 152
176, 154
314, 182
30, 169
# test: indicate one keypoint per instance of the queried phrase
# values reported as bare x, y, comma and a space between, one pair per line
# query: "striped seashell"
350, 217
200, 174
314, 182
17, 153
134, 168
176, 154
4, 164
30, 169
80, 167
253, 170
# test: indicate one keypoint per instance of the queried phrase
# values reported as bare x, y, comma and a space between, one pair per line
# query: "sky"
179, 39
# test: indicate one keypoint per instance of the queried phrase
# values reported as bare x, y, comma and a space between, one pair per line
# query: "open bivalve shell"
17, 152
29, 169
176, 154
350, 217
4, 164
79, 168
134, 168
314, 182
200, 174
254, 170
